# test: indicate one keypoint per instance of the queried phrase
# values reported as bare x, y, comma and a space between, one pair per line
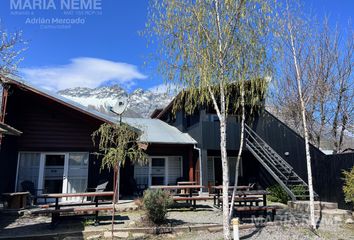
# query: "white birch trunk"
223, 126
303, 114
242, 137
225, 179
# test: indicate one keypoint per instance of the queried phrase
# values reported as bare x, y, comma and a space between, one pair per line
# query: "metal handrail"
279, 172
260, 147
261, 140
274, 160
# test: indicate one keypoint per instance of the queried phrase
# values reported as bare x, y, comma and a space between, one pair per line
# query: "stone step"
303, 206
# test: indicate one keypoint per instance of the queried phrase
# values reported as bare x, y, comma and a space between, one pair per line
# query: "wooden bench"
240, 200
55, 213
245, 200
264, 209
74, 204
193, 199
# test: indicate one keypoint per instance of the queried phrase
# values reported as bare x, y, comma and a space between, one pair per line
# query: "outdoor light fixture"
286, 153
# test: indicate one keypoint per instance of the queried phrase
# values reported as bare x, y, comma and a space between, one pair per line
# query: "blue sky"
106, 47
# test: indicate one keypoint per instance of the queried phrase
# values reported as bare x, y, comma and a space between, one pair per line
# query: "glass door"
75, 174
157, 171
53, 173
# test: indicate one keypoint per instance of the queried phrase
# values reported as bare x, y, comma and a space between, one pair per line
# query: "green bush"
300, 190
156, 202
277, 194
348, 187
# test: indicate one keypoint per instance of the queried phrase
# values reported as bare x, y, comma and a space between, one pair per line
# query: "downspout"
200, 166
3, 106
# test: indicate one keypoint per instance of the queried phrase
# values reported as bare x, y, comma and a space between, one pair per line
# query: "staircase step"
276, 165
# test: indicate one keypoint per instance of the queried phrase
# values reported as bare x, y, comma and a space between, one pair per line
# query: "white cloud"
83, 72
164, 88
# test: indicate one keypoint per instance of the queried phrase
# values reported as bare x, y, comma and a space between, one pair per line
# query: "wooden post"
191, 165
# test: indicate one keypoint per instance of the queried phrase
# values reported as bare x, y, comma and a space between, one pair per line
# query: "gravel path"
205, 214
272, 233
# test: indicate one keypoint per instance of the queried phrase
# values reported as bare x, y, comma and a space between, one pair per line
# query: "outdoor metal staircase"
280, 170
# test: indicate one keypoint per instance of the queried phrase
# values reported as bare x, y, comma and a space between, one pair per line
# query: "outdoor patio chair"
100, 188
28, 186
251, 185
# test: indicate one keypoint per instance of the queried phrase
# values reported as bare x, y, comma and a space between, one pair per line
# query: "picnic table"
76, 206
188, 188
16, 200
218, 191
242, 196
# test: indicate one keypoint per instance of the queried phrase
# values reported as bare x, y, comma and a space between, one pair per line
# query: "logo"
55, 14
54, 5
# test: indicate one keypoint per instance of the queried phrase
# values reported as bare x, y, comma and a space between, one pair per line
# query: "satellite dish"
120, 105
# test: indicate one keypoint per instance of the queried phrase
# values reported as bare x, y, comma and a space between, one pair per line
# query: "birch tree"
296, 42
205, 47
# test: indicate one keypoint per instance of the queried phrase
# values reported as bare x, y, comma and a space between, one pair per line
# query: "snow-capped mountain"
141, 102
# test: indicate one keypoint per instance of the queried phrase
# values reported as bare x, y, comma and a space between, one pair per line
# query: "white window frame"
166, 176
42, 167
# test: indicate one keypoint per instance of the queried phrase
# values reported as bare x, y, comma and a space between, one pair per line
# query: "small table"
16, 200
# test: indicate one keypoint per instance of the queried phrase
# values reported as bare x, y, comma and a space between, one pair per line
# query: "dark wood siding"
328, 177
47, 126
283, 139
211, 135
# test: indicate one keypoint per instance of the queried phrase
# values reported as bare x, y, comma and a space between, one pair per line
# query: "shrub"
300, 190
348, 187
277, 194
156, 203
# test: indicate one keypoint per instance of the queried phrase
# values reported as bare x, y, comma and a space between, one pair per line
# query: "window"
157, 162
28, 169
55, 160
213, 118
159, 171
174, 169
77, 172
